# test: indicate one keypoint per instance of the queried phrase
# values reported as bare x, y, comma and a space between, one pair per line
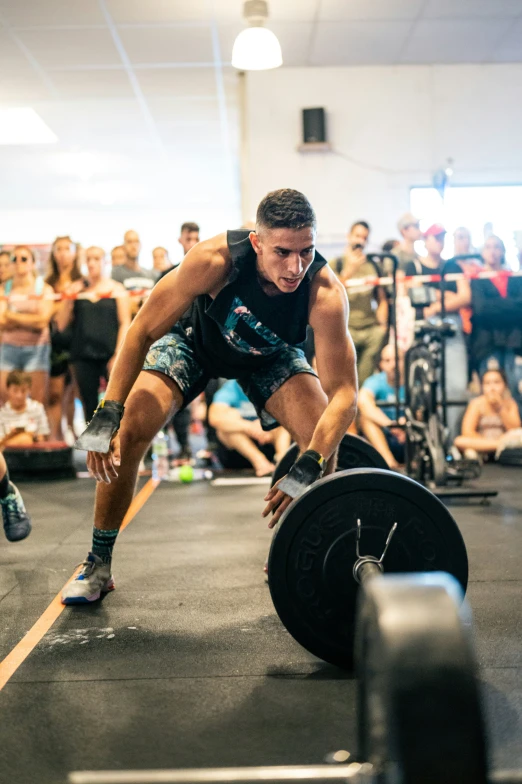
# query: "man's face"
118, 256
17, 396
388, 363
412, 232
132, 245
160, 261
358, 236
284, 255
188, 239
462, 240
435, 243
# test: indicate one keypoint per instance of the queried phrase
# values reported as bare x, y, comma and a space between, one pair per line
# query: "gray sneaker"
94, 579
17, 524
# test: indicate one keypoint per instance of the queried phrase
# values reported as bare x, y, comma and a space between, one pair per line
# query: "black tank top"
95, 329
243, 328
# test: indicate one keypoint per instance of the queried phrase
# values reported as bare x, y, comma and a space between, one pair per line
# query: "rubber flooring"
186, 664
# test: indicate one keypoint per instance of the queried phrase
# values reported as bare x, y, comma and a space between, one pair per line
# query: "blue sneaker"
17, 524
94, 579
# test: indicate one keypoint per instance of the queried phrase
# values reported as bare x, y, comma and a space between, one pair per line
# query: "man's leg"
249, 449
375, 435
298, 405
153, 399
281, 441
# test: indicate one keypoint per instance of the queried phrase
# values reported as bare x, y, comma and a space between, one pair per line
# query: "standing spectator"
390, 246
368, 320
462, 242
189, 236
133, 277
457, 294
24, 321
64, 270
100, 318
161, 262
496, 339
6, 268
118, 256
410, 232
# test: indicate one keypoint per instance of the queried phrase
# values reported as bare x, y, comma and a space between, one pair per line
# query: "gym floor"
186, 663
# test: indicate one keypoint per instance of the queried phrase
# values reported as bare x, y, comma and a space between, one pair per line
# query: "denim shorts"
29, 358
174, 355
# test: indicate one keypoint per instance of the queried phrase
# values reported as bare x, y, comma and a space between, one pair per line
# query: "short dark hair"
364, 224
18, 378
389, 245
189, 226
5, 253
285, 209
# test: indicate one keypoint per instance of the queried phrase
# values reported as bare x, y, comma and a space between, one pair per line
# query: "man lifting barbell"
252, 296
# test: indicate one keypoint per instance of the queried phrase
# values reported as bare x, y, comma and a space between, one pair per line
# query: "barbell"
368, 567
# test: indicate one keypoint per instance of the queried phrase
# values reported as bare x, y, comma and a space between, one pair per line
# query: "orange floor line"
21, 651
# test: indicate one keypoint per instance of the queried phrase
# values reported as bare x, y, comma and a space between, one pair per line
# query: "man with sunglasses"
410, 232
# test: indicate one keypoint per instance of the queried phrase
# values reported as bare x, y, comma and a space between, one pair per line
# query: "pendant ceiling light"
256, 48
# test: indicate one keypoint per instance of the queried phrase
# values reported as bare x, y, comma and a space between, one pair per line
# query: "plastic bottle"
160, 457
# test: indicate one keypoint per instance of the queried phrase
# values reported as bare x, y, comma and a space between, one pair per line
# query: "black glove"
105, 423
303, 473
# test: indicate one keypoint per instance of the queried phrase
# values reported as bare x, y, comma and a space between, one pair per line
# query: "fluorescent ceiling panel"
24, 126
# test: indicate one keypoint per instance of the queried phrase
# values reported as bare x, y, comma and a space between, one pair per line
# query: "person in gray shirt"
133, 277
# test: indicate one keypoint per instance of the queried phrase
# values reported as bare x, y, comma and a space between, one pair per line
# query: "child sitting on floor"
22, 420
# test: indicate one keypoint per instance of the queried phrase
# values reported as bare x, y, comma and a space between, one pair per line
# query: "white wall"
395, 125
105, 226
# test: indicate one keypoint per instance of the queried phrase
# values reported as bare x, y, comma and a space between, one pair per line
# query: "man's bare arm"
336, 366
204, 270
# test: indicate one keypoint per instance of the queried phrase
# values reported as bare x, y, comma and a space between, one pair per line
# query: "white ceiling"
141, 92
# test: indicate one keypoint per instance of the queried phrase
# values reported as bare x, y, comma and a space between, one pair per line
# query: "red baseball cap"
435, 230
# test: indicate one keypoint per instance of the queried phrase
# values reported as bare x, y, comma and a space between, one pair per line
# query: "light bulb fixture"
256, 48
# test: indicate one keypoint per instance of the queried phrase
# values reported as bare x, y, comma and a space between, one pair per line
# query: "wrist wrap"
105, 423
305, 471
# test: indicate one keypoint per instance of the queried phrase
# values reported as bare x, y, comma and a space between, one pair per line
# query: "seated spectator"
238, 430
488, 417
410, 232
6, 267
457, 294
118, 256
496, 338
377, 423
100, 317
368, 319
23, 421
24, 321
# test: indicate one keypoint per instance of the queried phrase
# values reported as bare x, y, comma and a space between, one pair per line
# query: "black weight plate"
313, 551
354, 452
419, 710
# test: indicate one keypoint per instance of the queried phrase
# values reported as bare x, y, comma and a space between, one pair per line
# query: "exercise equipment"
354, 452
47, 459
314, 550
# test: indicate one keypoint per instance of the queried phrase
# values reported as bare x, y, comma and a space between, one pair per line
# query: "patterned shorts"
174, 355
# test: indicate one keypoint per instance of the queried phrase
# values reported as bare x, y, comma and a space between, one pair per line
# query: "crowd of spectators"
57, 349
